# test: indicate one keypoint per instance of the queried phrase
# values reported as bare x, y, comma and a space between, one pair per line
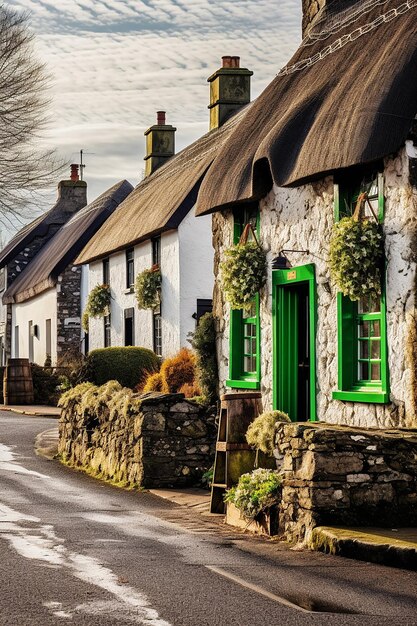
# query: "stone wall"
301, 219
68, 324
166, 442
335, 475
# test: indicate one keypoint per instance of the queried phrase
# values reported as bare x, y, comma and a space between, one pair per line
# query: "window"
157, 334
16, 342
31, 335
362, 344
130, 268
48, 338
156, 251
107, 331
203, 307
106, 272
245, 325
130, 327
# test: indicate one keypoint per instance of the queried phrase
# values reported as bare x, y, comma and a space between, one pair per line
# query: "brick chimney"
160, 143
73, 191
311, 8
229, 90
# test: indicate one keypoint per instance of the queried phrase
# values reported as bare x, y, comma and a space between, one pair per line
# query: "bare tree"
25, 168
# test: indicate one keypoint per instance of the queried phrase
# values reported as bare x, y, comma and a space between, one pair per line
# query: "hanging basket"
243, 272
98, 303
148, 288
357, 253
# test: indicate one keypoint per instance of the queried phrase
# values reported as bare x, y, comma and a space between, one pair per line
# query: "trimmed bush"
127, 365
203, 340
178, 371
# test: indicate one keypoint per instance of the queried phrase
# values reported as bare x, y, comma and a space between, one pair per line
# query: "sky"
114, 63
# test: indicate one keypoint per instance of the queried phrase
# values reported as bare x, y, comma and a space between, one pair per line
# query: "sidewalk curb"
34, 413
364, 546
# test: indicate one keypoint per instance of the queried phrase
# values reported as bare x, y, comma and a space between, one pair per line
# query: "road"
80, 552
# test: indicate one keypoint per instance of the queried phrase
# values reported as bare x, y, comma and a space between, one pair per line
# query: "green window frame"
363, 374
245, 332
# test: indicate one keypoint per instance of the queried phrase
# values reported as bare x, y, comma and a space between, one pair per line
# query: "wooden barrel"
17, 382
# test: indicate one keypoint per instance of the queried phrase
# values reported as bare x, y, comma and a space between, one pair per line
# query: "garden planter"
265, 523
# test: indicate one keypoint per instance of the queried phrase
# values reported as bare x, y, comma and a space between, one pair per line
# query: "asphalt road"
76, 551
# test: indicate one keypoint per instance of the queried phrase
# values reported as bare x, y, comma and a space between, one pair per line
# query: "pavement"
77, 550
34, 410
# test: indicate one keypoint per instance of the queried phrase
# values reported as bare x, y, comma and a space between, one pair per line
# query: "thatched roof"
43, 271
55, 217
161, 201
351, 100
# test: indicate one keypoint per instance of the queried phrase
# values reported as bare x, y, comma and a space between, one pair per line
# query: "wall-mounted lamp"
281, 262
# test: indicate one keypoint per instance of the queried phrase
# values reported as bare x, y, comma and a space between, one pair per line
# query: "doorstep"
35, 410
396, 547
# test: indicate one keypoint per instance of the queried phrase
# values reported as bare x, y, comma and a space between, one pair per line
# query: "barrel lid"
242, 395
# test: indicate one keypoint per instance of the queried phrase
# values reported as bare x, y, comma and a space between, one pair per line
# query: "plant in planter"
261, 433
148, 288
356, 255
243, 271
255, 492
98, 304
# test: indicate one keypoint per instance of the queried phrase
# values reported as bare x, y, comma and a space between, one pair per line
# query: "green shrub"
261, 433
356, 257
203, 341
127, 365
255, 492
45, 385
147, 288
243, 274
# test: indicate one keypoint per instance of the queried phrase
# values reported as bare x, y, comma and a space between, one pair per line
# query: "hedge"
127, 365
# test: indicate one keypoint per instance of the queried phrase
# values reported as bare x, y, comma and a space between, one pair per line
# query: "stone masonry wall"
68, 312
335, 475
169, 442
301, 219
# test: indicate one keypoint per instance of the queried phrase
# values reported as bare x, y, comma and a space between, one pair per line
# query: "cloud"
114, 63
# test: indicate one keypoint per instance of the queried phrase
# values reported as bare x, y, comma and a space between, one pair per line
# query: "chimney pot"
229, 61
74, 173
161, 118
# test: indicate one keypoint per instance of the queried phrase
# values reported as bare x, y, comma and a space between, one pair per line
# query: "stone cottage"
45, 299
23, 247
337, 121
156, 226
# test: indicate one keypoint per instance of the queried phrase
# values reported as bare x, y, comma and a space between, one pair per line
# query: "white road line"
256, 588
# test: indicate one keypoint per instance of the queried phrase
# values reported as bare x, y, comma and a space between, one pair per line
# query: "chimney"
311, 9
73, 191
229, 90
160, 143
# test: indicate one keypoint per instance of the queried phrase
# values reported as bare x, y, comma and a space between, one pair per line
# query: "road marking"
256, 588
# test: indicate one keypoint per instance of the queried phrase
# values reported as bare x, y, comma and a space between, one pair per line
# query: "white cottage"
45, 299
337, 121
156, 225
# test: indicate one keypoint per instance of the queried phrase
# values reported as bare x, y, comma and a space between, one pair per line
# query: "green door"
294, 320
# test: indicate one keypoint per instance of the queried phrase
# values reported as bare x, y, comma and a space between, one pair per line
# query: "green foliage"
243, 274
45, 385
74, 395
98, 303
203, 341
255, 492
356, 257
207, 478
85, 319
261, 433
147, 288
127, 365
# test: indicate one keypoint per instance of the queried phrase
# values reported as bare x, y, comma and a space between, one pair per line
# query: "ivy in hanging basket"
147, 288
98, 303
243, 273
356, 257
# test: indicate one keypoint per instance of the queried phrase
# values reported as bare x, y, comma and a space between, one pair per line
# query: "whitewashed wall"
187, 275
196, 269
37, 310
302, 219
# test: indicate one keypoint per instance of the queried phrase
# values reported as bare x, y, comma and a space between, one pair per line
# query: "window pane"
363, 329
364, 350
375, 371
376, 330
364, 371
375, 349
249, 364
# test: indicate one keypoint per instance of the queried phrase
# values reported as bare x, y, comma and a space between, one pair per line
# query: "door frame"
280, 278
